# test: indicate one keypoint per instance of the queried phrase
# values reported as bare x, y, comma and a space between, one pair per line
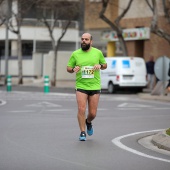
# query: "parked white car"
124, 72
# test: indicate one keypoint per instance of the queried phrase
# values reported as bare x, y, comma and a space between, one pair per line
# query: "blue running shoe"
89, 128
82, 136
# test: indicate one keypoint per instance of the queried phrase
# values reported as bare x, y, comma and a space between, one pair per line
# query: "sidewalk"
161, 140
148, 96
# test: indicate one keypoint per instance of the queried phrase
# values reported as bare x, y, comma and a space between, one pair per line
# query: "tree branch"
115, 25
64, 31
123, 13
150, 6
154, 24
166, 10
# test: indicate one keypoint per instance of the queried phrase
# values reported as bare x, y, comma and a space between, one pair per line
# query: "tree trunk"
54, 70
119, 34
56, 47
20, 80
154, 24
115, 25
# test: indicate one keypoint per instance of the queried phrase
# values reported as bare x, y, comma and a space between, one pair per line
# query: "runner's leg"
81, 115
92, 106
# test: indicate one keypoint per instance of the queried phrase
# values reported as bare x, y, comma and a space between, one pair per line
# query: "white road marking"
2, 102
133, 105
21, 111
57, 110
129, 108
25, 111
122, 105
117, 142
42, 104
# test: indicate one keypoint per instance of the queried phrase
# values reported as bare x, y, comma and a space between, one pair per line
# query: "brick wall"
156, 45
92, 10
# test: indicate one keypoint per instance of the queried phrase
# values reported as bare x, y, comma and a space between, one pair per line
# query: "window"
27, 49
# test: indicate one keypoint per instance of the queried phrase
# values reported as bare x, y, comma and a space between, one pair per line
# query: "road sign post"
161, 71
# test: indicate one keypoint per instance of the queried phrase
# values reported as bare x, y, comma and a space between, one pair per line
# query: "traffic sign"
161, 68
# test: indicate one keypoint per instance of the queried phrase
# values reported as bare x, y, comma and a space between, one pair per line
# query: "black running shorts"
89, 92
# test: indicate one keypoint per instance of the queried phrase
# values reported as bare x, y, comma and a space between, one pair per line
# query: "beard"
85, 47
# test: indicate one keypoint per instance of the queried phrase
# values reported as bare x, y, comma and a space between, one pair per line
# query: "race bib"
87, 72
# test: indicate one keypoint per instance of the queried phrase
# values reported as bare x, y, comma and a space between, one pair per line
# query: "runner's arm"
103, 66
72, 70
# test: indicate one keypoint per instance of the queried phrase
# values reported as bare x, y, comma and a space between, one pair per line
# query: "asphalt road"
40, 132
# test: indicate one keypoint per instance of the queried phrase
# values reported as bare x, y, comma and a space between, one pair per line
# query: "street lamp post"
8, 8
6, 53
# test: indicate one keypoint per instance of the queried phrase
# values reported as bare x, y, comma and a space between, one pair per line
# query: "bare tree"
116, 24
60, 9
2, 14
166, 6
14, 25
154, 23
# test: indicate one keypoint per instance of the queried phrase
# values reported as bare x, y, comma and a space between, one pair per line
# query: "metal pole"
6, 41
164, 75
6, 55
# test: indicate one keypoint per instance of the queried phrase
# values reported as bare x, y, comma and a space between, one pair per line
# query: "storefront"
135, 39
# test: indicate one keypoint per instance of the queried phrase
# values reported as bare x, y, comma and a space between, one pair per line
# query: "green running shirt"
87, 78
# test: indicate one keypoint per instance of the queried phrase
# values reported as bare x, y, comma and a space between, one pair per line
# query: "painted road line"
58, 110
44, 104
117, 142
2, 102
21, 111
133, 105
129, 108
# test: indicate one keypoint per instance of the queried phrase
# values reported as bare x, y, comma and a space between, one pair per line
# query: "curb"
154, 97
161, 140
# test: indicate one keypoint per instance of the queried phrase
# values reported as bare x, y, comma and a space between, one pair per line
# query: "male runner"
86, 62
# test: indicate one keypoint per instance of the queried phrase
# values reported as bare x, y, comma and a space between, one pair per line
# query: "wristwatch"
101, 65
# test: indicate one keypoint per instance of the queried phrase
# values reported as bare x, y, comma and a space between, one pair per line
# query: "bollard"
9, 84
46, 84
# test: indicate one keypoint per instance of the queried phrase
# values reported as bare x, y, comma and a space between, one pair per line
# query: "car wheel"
111, 88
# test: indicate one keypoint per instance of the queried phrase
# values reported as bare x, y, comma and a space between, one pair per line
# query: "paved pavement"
162, 140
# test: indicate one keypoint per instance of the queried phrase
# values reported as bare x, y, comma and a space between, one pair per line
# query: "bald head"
87, 35
86, 41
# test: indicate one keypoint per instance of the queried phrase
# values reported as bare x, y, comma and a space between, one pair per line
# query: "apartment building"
136, 28
37, 55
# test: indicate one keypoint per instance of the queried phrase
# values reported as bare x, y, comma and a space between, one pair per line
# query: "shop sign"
128, 34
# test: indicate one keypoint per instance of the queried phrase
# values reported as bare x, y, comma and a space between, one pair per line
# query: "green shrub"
168, 131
